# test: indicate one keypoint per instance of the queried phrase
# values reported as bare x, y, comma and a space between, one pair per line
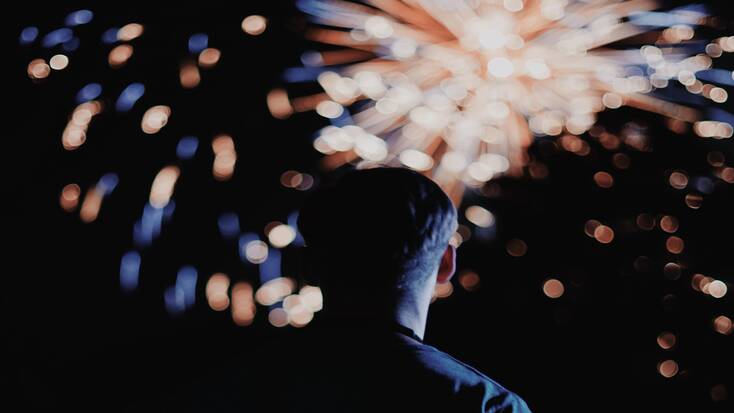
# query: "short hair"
389, 224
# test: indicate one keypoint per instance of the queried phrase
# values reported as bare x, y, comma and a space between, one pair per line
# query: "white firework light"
459, 89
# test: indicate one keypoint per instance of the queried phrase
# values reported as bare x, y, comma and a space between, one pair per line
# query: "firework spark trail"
459, 90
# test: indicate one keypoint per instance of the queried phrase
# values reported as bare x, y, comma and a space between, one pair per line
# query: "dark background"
74, 339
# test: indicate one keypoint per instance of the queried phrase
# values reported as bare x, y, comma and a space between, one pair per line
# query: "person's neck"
408, 311
412, 312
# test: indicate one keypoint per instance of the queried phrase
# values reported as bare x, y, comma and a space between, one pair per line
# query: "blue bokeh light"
187, 146
130, 271
229, 225
79, 17
28, 35
108, 182
110, 35
186, 282
129, 96
89, 92
270, 268
198, 42
175, 300
57, 37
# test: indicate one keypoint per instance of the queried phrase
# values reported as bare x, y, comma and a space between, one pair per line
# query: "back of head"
376, 229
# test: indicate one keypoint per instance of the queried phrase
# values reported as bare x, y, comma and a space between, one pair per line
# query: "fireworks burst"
460, 89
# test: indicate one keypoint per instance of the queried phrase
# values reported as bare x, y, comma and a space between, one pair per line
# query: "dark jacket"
345, 368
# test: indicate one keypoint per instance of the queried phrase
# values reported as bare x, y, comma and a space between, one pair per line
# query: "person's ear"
447, 267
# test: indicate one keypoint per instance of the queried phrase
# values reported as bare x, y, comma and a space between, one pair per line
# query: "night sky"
72, 337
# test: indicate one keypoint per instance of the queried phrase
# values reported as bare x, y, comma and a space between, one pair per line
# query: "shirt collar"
407, 331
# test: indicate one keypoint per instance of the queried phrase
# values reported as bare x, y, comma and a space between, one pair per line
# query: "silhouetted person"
377, 242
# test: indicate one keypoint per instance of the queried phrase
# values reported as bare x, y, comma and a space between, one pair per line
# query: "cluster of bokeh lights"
288, 306
456, 90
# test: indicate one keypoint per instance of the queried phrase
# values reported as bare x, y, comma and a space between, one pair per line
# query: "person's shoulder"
467, 379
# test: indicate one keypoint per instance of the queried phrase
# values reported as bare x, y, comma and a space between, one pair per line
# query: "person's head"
379, 231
